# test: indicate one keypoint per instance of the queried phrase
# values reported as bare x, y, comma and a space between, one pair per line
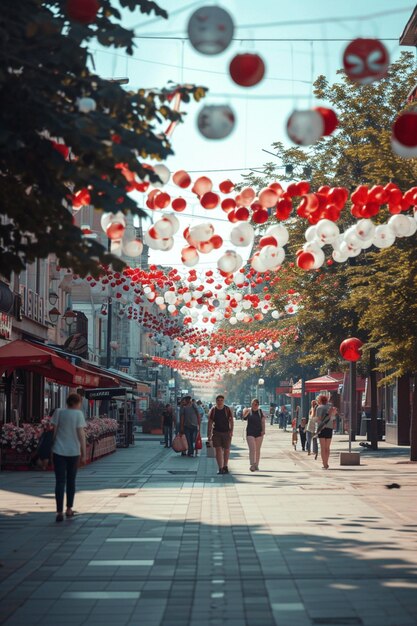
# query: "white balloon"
163, 173
305, 127
407, 152
159, 300
319, 259
216, 121
133, 248
164, 228
174, 222
364, 229
280, 232
310, 233
233, 321
227, 262
240, 278
383, 237
327, 231
210, 30
201, 232
400, 225
257, 263
413, 225
275, 314
351, 238
313, 246
242, 234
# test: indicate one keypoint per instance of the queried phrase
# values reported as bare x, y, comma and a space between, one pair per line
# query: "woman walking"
311, 429
68, 451
325, 425
255, 432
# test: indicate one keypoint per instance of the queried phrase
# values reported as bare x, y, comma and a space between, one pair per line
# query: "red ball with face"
83, 11
366, 60
350, 349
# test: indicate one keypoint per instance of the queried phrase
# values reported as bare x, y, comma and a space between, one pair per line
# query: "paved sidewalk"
162, 541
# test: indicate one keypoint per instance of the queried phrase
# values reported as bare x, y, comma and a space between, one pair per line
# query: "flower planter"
14, 460
104, 446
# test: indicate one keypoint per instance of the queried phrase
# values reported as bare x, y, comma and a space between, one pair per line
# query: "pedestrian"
44, 451
203, 419
220, 432
311, 429
272, 413
325, 424
302, 432
167, 424
255, 432
69, 451
190, 423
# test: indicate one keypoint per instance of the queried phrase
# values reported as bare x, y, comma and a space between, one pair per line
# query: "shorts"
222, 440
326, 433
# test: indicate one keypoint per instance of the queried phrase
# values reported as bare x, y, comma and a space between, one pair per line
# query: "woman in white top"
326, 416
311, 429
68, 450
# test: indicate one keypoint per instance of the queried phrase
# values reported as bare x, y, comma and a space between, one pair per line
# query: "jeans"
309, 440
168, 435
65, 472
191, 433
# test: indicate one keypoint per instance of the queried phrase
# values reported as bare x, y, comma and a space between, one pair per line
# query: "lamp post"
261, 383
350, 349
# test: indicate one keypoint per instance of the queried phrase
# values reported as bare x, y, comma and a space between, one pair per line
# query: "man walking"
220, 432
168, 422
190, 422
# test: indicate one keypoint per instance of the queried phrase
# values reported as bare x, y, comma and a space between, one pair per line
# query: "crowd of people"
188, 419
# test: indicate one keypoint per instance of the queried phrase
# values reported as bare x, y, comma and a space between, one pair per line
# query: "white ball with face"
210, 30
216, 121
305, 127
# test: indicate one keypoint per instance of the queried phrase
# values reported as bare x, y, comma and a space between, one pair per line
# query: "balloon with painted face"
305, 127
366, 60
216, 121
210, 30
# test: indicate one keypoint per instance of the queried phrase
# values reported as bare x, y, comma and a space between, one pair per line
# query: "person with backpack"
255, 432
220, 432
325, 414
190, 423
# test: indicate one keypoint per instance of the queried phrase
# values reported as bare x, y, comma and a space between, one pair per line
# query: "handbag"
198, 442
211, 452
180, 443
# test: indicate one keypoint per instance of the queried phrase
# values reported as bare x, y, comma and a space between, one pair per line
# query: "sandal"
70, 514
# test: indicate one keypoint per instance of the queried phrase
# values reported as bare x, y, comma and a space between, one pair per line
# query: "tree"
45, 70
355, 298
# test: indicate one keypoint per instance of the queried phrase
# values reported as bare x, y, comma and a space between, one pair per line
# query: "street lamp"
69, 317
261, 383
54, 314
350, 349
53, 298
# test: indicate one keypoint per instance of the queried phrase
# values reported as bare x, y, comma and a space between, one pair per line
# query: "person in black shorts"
220, 432
325, 413
255, 432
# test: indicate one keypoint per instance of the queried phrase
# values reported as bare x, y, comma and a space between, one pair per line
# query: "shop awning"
25, 355
324, 383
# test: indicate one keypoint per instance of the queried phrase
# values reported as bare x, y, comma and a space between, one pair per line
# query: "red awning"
324, 383
27, 356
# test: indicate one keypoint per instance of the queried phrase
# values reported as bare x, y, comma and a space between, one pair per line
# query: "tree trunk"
413, 424
373, 425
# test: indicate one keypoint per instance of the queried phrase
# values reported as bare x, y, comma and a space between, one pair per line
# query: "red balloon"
226, 186
247, 70
83, 11
260, 216
305, 260
202, 185
242, 214
404, 129
182, 179
162, 200
366, 60
268, 241
350, 349
217, 241
209, 200
228, 204
329, 119
179, 204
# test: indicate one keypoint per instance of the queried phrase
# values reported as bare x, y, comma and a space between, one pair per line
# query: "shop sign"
5, 326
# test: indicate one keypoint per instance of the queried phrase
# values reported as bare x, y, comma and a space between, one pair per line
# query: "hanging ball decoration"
163, 173
329, 118
247, 70
210, 30
383, 236
83, 11
179, 204
306, 261
189, 256
202, 185
182, 179
404, 134
209, 200
216, 121
133, 248
226, 186
305, 127
86, 105
242, 234
350, 349
366, 60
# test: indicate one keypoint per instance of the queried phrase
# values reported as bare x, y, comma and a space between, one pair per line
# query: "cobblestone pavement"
162, 541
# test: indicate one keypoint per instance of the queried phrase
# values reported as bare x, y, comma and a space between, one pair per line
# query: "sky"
261, 111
